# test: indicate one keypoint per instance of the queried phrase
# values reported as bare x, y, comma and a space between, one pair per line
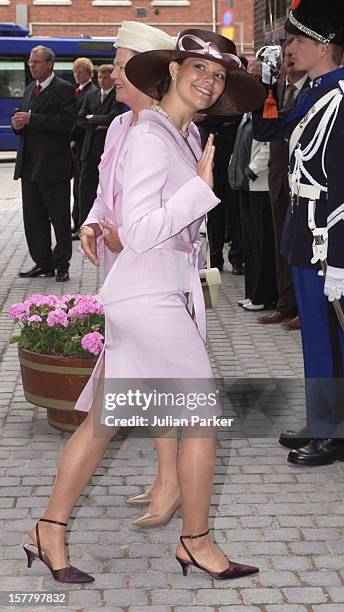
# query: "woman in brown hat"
153, 331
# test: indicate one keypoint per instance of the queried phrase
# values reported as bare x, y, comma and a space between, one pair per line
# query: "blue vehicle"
15, 47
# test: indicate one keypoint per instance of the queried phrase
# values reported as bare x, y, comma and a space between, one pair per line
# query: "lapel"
108, 99
281, 85
115, 139
38, 101
82, 94
28, 96
86, 89
189, 149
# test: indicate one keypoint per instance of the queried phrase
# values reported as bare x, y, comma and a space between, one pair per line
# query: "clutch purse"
210, 281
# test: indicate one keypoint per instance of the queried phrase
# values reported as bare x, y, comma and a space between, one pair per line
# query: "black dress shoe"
75, 236
62, 276
318, 452
37, 271
294, 439
238, 270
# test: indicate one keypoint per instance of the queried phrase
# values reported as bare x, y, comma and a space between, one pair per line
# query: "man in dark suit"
44, 124
83, 74
98, 109
287, 93
224, 128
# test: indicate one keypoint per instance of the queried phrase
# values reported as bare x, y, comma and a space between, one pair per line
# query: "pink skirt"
151, 337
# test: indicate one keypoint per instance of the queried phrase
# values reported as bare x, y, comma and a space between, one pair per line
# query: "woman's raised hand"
205, 164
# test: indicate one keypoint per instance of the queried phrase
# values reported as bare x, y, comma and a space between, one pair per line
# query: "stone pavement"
288, 521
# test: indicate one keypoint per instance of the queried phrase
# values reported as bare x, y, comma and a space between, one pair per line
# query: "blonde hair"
84, 62
105, 68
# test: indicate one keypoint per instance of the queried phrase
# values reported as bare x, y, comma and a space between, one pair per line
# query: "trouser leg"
36, 220
235, 253
76, 172
323, 354
216, 234
265, 290
286, 303
57, 202
250, 245
88, 185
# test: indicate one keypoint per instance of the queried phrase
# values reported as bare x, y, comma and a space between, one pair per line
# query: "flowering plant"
69, 326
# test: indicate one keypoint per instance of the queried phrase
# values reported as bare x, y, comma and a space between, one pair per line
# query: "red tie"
78, 91
103, 97
38, 89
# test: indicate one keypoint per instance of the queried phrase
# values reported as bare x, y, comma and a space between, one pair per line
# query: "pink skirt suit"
150, 332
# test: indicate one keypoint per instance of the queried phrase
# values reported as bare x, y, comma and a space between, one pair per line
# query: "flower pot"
55, 383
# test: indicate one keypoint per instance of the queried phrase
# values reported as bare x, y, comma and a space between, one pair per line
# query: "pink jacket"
162, 201
107, 204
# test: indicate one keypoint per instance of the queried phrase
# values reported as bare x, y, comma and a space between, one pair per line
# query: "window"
12, 78
64, 69
111, 2
171, 2
50, 2
279, 11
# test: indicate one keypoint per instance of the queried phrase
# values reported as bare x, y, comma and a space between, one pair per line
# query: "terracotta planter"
55, 383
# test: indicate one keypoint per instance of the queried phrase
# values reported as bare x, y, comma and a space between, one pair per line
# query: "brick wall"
81, 17
259, 22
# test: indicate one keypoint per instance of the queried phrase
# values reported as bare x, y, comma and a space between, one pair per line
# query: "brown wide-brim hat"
243, 92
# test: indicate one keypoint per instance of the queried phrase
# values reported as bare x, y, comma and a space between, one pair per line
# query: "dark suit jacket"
279, 154
78, 132
96, 128
46, 138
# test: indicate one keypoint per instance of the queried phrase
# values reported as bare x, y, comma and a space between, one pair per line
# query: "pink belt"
196, 300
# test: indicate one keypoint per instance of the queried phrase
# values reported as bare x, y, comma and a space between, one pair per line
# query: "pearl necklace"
158, 109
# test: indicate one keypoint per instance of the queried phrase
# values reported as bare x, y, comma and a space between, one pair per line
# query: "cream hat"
140, 37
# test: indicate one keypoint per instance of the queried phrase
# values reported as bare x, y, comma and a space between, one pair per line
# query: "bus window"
12, 78
64, 70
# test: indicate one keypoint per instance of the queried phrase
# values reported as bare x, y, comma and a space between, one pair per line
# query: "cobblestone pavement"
287, 520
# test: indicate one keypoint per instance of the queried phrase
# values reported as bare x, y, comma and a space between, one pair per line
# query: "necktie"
38, 90
78, 91
103, 97
289, 95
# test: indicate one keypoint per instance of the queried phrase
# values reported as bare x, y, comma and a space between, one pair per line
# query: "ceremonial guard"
313, 236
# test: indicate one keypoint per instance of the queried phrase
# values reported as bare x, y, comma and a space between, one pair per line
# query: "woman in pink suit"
99, 238
165, 188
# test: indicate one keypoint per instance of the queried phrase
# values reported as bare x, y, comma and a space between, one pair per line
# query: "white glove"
266, 75
334, 283
320, 250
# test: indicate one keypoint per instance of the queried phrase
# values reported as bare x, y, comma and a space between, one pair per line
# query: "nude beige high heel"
151, 519
140, 500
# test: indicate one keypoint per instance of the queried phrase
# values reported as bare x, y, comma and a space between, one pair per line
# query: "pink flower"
57, 317
67, 297
84, 307
93, 343
34, 319
19, 312
37, 299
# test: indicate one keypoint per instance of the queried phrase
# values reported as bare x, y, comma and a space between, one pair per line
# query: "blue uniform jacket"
326, 167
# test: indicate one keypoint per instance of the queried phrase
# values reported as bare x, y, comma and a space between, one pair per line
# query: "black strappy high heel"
66, 574
234, 570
